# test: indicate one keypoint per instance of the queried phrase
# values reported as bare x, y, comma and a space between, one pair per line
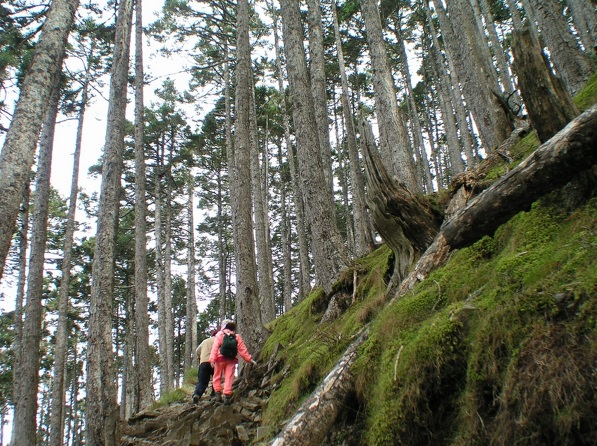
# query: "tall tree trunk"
424, 172
319, 90
363, 238
143, 368
168, 272
160, 275
222, 276
304, 279
18, 151
24, 425
584, 17
549, 104
102, 412
453, 90
286, 240
572, 65
453, 116
61, 349
248, 312
499, 52
480, 88
329, 254
262, 233
393, 135
20, 295
191, 313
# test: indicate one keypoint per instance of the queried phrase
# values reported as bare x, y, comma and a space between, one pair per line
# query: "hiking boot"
218, 397
227, 400
196, 398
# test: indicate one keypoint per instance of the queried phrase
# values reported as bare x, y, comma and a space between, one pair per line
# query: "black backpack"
229, 347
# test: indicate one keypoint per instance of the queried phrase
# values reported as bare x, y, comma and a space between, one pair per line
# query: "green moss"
588, 95
478, 353
174, 396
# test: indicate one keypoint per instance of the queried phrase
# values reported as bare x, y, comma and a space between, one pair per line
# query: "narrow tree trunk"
20, 295
450, 114
232, 182
329, 254
262, 233
101, 406
392, 131
191, 314
480, 89
304, 279
286, 241
168, 274
160, 279
24, 425
248, 312
57, 404
18, 151
319, 90
143, 368
363, 238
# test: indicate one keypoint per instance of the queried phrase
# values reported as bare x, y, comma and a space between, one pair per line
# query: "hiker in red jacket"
224, 357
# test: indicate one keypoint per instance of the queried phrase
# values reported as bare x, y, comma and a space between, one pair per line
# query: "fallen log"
313, 420
552, 165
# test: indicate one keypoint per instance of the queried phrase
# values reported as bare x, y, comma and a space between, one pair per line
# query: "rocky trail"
207, 422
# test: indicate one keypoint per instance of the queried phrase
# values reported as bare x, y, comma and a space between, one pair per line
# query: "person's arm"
242, 350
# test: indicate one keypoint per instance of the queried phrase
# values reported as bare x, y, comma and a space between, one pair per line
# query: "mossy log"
313, 420
554, 164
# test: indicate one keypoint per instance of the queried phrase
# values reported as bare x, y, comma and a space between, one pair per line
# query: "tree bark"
102, 409
248, 312
61, 349
265, 273
191, 313
406, 222
329, 254
319, 90
549, 104
304, 279
572, 64
24, 425
363, 238
20, 144
479, 86
585, 20
393, 136
552, 165
143, 368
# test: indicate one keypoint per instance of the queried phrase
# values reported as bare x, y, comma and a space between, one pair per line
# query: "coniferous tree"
19, 146
101, 406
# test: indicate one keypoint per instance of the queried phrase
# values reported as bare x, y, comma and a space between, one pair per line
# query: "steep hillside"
499, 346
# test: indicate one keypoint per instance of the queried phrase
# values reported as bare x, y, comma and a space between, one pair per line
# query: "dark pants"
205, 373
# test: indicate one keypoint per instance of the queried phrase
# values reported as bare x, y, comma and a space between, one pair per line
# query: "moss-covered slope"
497, 347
